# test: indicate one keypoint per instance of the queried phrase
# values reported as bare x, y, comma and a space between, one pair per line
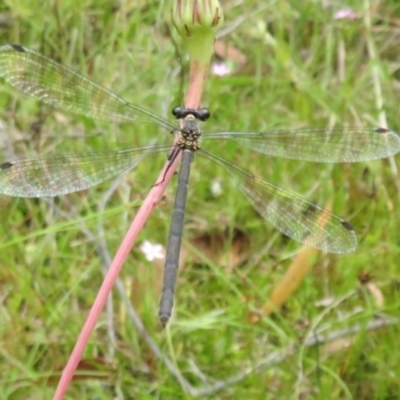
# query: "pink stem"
150, 202
197, 78
198, 74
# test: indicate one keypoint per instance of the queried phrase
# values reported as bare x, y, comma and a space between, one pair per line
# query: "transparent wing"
297, 218
320, 145
65, 89
62, 174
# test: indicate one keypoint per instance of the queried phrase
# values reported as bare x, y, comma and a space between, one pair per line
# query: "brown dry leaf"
365, 280
376, 294
213, 246
88, 368
337, 345
254, 317
300, 266
96, 367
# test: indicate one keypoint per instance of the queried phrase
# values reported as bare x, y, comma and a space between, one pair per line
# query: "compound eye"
178, 112
203, 114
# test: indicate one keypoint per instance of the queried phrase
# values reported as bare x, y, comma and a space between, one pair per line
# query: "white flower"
346, 13
220, 68
216, 188
152, 251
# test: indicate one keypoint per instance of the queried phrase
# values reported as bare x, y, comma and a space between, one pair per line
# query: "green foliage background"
303, 68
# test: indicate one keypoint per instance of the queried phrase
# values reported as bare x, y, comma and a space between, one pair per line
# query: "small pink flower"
346, 13
220, 69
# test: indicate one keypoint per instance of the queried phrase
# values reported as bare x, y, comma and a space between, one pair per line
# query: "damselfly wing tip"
18, 47
6, 165
347, 225
392, 142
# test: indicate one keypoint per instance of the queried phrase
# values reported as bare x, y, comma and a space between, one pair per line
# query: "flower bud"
191, 17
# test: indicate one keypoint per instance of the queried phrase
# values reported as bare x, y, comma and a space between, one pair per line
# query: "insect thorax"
189, 135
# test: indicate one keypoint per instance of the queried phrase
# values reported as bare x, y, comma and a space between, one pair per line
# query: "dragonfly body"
58, 86
188, 142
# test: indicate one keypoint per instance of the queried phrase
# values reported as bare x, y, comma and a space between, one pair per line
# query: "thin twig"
291, 349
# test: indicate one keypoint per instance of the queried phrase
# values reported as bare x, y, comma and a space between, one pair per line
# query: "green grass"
303, 68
